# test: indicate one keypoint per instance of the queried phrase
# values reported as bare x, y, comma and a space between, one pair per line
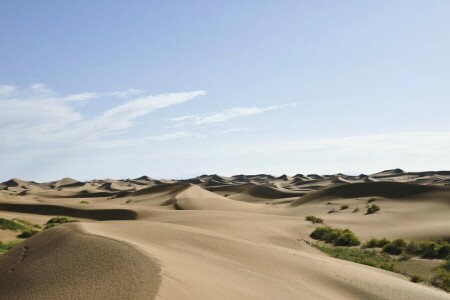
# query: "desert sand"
215, 237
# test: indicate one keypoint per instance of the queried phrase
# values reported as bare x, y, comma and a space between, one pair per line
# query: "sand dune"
67, 262
215, 237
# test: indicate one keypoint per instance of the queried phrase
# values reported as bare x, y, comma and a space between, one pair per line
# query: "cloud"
169, 136
90, 96
38, 114
225, 115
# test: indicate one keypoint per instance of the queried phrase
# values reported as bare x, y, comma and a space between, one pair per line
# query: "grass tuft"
313, 219
372, 209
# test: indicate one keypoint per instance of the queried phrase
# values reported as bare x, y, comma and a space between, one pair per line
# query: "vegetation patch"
58, 221
372, 209
442, 278
335, 236
344, 207
427, 268
5, 246
84, 202
376, 243
356, 209
26, 227
28, 223
362, 256
6, 224
313, 219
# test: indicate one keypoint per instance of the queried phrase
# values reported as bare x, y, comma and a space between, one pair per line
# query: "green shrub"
129, 200
372, 209
395, 247
347, 238
344, 207
371, 200
333, 210
6, 224
335, 236
27, 234
442, 280
84, 202
356, 209
376, 243
361, 256
435, 249
28, 223
313, 219
58, 221
5, 246
412, 248
416, 278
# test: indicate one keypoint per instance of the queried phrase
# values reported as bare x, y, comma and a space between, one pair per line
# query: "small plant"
313, 219
442, 280
371, 200
372, 209
344, 207
27, 234
28, 223
333, 210
84, 202
416, 278
395, 247
434, 249
5, 246
376, 243
6, 224
58, 221
335, 236
356, 209
128, 201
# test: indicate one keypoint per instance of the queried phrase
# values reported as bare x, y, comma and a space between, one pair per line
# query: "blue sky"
181, 88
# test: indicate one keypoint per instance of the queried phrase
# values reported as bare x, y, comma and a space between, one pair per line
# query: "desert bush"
442, 280
416, 278
356, 209
347, 238
412, 248
372, 209
395, 247
344, 207
362, 256
84, 202
313, 219
376, 243
333, 210
129, 200
371, 200
6, 224
28, 223
434, 249
58, 221
335, 236
5, 246
27, 233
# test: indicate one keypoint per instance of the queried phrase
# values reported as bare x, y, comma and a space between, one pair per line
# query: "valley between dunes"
215, 237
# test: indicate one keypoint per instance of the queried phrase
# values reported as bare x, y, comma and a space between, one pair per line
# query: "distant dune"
216, 237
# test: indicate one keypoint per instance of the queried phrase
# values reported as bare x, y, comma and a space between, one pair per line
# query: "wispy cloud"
38, 114
169, 136
226, 115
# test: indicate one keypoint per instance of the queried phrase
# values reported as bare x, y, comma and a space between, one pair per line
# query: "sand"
215, 237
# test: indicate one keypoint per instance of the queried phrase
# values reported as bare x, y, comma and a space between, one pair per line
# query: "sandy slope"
243, 238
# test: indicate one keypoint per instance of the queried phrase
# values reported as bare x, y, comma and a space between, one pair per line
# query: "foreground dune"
213, 237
